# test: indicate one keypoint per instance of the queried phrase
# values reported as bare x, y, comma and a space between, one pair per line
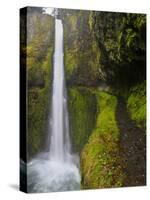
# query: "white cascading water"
56, 170
60, 142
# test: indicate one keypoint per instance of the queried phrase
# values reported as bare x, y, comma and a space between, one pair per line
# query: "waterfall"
59, 125
56, 170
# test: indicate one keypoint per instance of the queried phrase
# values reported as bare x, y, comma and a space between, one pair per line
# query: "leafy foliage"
121, 38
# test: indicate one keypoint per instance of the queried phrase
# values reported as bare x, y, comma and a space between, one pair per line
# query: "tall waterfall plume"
57, 169
59, 124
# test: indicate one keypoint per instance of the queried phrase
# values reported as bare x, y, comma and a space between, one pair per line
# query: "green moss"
70, 63
73, 22
136, 104
122, 45
81, 51
100, 161
39, 66
82, 113
38, 107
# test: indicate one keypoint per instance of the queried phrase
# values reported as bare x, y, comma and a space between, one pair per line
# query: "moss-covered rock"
39, 75
80, 48
100, 161
136, 104
121, 38
38, 109
82, 115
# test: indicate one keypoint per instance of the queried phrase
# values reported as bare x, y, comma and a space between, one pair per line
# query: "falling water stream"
56, 170
60, 142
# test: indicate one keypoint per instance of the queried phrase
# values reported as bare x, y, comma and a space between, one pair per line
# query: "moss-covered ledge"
100, 160
82, 107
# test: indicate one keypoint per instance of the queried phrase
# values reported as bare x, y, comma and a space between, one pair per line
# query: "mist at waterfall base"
56, 170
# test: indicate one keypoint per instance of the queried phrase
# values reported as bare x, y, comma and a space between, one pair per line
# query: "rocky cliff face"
121, 38
36, 22
80, 48
102, 49
40, 45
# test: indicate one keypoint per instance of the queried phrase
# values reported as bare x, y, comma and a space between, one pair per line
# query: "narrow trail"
132, 147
